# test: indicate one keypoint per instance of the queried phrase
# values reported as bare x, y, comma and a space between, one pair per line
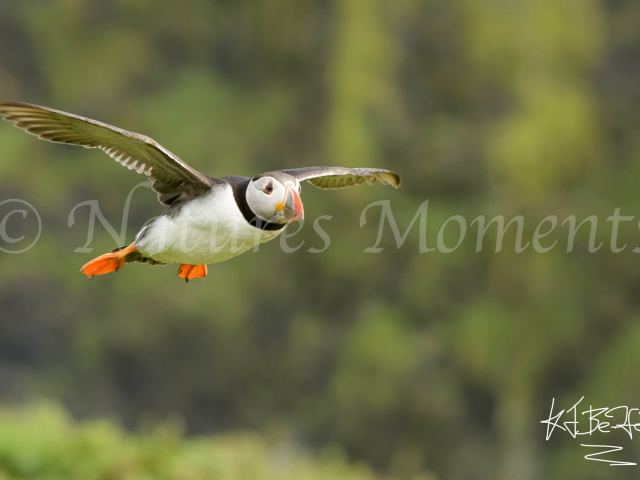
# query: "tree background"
419, 365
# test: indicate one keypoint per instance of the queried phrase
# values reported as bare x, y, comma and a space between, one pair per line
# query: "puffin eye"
268, 189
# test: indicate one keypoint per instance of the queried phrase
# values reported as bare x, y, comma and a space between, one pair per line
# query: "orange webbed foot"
192, 271
109, 262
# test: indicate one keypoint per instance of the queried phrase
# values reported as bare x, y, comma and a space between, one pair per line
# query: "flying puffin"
209, 219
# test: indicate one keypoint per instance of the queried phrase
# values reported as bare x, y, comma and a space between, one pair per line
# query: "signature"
600, 420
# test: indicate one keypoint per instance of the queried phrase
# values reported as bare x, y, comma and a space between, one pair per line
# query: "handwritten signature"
600, 420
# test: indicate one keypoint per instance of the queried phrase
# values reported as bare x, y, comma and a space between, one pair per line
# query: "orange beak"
293, 209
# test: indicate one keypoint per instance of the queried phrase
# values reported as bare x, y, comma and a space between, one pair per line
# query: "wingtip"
395, 184
386, 177
10, 103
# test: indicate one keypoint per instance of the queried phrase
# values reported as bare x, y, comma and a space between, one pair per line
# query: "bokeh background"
341, 364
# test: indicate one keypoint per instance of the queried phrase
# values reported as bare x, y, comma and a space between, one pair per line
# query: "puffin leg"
192, 271
109, 262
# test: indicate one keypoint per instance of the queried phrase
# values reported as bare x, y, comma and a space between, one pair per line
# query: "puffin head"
275, 197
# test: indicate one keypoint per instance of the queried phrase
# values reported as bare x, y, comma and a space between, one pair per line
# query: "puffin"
208, 219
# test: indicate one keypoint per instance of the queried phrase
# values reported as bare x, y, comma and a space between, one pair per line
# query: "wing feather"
172, 178
330, 178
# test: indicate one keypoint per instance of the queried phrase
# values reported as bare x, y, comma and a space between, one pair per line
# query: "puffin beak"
293, 209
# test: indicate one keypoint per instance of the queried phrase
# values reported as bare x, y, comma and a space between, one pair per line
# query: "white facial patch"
264, 196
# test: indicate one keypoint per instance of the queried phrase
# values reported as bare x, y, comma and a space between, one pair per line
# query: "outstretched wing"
172, 178
330, 178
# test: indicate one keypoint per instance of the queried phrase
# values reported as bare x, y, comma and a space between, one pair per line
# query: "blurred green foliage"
42, 443
409, 362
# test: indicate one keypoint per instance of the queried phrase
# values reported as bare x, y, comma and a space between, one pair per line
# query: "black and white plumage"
209, 219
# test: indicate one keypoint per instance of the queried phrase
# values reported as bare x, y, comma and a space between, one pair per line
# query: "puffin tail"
110, 262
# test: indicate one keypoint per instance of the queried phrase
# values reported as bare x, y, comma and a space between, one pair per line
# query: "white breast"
206, 230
